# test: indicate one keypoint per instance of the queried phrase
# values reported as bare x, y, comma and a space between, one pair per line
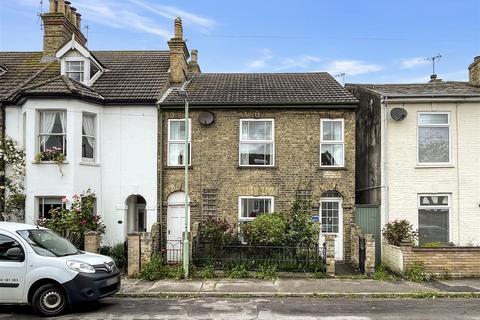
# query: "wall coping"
446, 249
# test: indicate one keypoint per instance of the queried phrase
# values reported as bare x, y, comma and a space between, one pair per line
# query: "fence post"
92, 241
133, 265
330, 240
369, 254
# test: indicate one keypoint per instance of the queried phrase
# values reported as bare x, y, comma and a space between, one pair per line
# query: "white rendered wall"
461, 179
125, 161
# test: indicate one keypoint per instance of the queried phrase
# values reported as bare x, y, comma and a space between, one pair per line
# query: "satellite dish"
206, 118
398, 114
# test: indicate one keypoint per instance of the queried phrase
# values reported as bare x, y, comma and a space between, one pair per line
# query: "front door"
12, 269
175, 228
331, 218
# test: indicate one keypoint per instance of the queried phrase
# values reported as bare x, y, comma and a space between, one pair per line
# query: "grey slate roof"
132, 76
422, 90
227, 89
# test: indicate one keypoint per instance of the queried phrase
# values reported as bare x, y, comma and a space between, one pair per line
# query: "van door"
12, 269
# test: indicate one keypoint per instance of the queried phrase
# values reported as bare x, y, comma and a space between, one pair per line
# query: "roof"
131, 76
14, 226
253, 89
437, 89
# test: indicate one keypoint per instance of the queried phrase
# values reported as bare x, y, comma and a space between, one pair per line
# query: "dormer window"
75, 70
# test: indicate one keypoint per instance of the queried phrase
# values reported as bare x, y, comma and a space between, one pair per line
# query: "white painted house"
418, 156
99, 108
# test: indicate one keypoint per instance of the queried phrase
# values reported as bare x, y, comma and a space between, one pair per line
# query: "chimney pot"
178, 28
79, 20
61, 6
194, 55
433, 77
53, 6
68, 11
73, 16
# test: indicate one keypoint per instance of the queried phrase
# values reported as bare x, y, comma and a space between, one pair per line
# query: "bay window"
88, 136
176, 142
433, 218
332, 143
433, 138
257, 142
52, 136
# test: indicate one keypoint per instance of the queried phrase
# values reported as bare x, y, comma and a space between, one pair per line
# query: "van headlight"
80, 266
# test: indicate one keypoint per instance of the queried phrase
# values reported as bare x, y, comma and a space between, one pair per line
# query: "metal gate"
367, 217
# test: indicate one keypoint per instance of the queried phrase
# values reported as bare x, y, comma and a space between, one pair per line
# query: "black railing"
285, 258
174, 252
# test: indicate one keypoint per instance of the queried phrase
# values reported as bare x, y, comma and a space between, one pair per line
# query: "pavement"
329, 287
263, 309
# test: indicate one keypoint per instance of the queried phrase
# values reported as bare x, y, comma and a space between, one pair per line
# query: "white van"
40, 268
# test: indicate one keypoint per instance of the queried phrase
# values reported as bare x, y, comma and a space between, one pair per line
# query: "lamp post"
186, 233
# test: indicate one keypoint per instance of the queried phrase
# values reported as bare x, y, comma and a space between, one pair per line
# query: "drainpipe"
2, 163
160, 173
385, 159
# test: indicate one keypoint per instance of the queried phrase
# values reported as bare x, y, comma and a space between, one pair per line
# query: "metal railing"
285, 258
173, 251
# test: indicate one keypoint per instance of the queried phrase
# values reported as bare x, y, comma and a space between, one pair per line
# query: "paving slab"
246, 286
138, 288
176, 286
463, 285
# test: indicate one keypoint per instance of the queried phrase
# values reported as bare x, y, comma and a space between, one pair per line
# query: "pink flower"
64, 200
84, 222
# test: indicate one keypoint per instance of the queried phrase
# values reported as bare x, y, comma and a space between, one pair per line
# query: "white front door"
331, 218
175, 228
12, 269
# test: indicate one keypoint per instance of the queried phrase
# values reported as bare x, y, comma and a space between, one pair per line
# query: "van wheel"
49, 300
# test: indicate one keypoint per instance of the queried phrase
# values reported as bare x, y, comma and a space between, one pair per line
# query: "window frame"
240, 198
95, 144
38, 203
240, 141
170, 141
39, 126
448, 125
449, 207
84, 77
332, 142
340, 214
19, 245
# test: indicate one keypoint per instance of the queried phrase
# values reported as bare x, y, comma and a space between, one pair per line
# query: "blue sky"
375, 41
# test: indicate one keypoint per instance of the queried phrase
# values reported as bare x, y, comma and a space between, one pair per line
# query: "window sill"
433, 166
90, 164
257, 167
332, 168
48, 162
177, 167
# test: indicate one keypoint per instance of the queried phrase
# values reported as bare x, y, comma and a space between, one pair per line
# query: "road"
268, 308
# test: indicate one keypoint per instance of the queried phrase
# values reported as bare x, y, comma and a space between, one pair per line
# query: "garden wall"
456, 261
355, 236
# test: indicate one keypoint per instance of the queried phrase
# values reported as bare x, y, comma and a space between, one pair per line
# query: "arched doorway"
331, 219
136, 213
175, 226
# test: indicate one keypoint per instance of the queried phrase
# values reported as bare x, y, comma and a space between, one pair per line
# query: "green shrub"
217, 231
300, 229
206, 273
416, 273
117, 253
267, 272
397, 231
319, 275
236, 271
266, 230
155, 270
382, 274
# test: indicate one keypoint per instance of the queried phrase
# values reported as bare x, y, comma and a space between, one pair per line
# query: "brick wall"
457, 261
92, 241
297, 163
355, 235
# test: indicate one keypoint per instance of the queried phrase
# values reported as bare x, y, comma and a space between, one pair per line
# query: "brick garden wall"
297, 163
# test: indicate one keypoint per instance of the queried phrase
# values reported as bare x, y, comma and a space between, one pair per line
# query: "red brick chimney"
59, 24
178, 55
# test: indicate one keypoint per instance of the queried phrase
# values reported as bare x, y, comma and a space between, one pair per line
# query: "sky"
369, 41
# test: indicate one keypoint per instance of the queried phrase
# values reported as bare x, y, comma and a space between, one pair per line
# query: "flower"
84, 222
64, 200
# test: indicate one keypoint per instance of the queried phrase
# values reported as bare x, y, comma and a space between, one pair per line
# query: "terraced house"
257, 142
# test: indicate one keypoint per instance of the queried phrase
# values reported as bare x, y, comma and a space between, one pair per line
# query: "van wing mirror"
15, 253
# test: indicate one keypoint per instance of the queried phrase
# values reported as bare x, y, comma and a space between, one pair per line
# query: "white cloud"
351, 67
263, 61
413, 62
303, 62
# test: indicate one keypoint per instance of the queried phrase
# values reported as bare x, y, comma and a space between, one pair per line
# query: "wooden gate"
367, 217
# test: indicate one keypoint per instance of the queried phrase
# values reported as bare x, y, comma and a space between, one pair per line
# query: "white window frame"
84, 62
39, 126
448, 125
340, 214
243, 219
38, 202
332, 142
241, 141
170, 141
449, 207
95, 145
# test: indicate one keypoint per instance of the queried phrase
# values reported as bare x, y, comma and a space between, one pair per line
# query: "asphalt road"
271, 308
